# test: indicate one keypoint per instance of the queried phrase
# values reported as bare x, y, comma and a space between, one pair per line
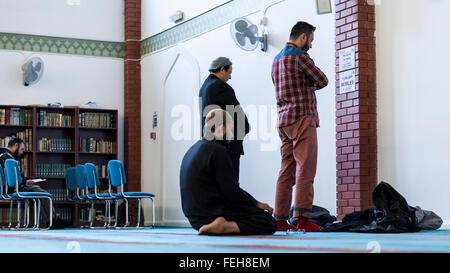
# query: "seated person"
15, 150
211, 197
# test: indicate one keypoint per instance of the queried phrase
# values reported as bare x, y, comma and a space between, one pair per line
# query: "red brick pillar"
356, 131
132, 95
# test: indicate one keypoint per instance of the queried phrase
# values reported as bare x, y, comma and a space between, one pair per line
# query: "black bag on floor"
391, 214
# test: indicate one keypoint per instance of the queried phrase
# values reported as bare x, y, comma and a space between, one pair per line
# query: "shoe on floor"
305, 224
283, 225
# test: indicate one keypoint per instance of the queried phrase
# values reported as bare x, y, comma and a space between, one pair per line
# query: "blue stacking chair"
5, 196
71, 184
3, 192
117, 178
14, 179
73, 192
81, 184
3, 183
93, 182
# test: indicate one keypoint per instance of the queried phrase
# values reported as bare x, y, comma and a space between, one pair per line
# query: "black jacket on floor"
214, 91
390, 214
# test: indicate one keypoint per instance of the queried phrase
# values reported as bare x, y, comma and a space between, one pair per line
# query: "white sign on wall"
347, 58
347, 81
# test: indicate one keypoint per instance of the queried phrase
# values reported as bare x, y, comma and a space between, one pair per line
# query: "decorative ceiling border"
205, 22
59, 45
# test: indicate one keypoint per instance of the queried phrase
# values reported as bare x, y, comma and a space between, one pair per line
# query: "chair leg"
18, 214
25, 213
106, 212
35, 214
51, 213
116, 202
126, 213
91, 214
153, 208
11, 203
38, 219
139, 212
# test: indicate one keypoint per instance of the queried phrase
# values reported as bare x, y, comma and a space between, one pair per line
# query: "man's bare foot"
219, 226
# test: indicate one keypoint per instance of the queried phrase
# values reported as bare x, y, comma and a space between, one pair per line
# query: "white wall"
94, 20
413, 96
68, 79
156, 13
254, 89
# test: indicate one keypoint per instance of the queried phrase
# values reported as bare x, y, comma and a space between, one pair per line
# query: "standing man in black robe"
217, 93
211, 197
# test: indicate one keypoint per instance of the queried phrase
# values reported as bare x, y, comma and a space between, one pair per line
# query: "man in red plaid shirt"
296, 78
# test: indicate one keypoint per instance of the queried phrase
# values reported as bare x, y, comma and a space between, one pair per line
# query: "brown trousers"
298, 168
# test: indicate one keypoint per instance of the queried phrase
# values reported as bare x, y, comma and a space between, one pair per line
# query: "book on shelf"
101, 171
16, 116
91, 145
45, 118
4, 215
51, 169
55, 144
64, 213
26, 165
96, 120
60, 194
99, 214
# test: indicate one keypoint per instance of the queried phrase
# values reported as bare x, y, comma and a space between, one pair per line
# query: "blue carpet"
186, 240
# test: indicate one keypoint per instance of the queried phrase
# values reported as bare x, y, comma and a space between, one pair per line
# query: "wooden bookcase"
57, 138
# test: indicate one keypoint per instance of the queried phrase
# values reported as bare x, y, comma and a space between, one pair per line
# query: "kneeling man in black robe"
211, 197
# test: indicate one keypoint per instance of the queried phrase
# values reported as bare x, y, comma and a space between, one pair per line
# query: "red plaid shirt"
296, 78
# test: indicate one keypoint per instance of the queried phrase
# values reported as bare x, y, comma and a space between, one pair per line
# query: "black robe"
209, 189
214, 91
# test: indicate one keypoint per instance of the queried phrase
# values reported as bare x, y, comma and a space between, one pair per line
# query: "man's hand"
265, 207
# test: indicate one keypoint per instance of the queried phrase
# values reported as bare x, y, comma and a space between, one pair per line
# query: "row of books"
91, 145
59, 194
45, 118
16, 116
26, 166
55, 144
96, 120
99, 214
19, 116
4, 215
102, 171
51, 169
64, 213
26, 136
